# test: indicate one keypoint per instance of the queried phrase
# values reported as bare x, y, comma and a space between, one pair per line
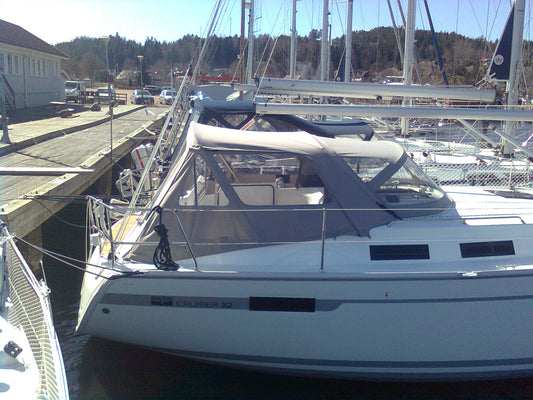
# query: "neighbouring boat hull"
419, 327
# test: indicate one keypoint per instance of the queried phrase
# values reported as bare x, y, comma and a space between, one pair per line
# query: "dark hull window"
400, 252
487, 249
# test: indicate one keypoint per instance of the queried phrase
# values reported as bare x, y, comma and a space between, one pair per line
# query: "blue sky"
167, 20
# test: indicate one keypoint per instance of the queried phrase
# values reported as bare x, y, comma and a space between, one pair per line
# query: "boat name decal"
208, 303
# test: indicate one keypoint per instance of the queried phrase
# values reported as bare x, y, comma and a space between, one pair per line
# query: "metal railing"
9, 94
30, 309
102, 217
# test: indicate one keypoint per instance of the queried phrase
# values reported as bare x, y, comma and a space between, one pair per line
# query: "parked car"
74, 90
167, 96
140, 96
154, 90
166, 88
102, 94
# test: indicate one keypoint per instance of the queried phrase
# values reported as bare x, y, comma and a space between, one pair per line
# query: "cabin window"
257, 179
366, 167
487, 249
399, 252
198, 185
409, 185
244, 122
235, 120
394, 185
272, 179
258, 124
227, 120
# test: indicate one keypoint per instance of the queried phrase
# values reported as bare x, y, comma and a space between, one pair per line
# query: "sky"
57, 21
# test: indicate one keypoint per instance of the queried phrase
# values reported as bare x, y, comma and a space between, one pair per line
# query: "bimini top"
242, 114
232, 189
299, 142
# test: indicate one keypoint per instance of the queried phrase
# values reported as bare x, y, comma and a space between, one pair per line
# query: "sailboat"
283, 247
326, 256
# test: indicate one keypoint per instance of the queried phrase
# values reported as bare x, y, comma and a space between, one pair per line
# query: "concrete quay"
45, 127
56, 157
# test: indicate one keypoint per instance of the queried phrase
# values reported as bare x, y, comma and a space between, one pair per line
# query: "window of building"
16, 69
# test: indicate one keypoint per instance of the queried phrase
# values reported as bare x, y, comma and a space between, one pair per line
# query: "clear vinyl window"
256, 179
406, 185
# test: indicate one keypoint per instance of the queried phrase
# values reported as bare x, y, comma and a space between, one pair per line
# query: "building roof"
15, 35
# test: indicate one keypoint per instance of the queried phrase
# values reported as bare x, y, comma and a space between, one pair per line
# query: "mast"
417, 70
249, 65
324, 56
436, 45
293, 42
516, 57
408, 57
348, 51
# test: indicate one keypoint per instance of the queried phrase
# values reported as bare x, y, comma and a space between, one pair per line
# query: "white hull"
377, 326
406, 283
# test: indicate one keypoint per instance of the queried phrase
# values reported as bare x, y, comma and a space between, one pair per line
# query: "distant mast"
324, 56
408, 58
292, 64
348, 58
250, 63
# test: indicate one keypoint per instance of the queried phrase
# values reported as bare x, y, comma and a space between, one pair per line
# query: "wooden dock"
61, 157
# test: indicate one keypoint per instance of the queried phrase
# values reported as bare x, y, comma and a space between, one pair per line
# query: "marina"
268, 238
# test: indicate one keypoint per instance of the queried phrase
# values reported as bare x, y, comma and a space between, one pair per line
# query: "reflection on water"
101, 369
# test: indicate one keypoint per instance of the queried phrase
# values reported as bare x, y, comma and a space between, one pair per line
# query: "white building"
30, 68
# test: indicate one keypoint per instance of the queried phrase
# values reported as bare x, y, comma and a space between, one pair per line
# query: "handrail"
187, 241
9, 93
100, 219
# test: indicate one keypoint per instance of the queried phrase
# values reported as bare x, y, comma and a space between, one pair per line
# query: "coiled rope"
162, 256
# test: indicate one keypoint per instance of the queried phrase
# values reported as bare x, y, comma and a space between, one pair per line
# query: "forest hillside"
375, 57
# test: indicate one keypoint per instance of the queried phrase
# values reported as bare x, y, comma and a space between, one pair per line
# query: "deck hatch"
399, 252
282, 304
487, 249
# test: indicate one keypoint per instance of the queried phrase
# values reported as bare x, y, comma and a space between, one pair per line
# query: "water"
100, 369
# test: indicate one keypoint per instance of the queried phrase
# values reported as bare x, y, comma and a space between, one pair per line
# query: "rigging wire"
492, 26
455, 41
422, 15
69, 261
273, 47
344, 32
476, 18
378, 37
